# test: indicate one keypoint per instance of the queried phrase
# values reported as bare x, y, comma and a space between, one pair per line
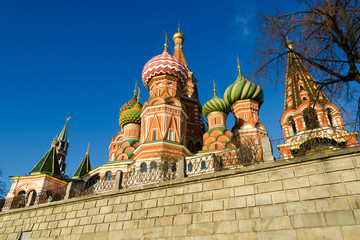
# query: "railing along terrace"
201, 165
246, 154
92, 186
34, 198
317, 140
51, 195
155, 173
15, 202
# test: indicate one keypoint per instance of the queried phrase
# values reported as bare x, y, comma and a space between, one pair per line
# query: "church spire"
166, 39
62, 146
179, 39
63, 135
84, 166
48, 164
300, 85
214, 90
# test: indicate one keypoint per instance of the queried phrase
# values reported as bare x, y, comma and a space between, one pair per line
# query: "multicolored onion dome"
164, 64
216, 104
243, 89
129, 104
131, 115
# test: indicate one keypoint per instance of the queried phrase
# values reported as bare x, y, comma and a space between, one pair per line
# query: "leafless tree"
326, 38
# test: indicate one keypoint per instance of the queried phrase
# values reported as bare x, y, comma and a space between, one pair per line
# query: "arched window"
143, 167
293, 126
19, 200
173, 167
31, 197
310, 118
190, 167
153, 166
154, 136
108, 176
92, 181
329, 116
301, 88
216, 146
203, 165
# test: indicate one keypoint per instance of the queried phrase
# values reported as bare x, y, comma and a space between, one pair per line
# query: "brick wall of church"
312, 197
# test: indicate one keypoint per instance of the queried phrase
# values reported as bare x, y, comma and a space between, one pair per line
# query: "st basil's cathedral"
170, 124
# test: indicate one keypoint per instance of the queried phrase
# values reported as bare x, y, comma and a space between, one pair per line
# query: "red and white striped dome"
164, 64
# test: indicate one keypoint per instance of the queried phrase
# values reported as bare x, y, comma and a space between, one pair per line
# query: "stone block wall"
313, 197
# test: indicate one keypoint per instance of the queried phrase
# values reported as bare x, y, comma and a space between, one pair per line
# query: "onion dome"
131, 115
216, 105
129, 104
164, 64
179, 35
243, 89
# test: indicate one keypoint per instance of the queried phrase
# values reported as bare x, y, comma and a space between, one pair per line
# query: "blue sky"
80, 59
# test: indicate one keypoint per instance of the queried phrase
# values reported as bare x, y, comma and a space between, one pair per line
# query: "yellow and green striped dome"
131, 115
243, 89
215, 104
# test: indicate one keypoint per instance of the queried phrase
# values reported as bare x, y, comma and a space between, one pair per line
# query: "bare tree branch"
326, 38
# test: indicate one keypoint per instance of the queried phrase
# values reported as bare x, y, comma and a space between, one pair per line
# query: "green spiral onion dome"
215, 104
243, 89
131, 115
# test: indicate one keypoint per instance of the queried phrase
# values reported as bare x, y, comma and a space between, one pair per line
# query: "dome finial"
214, 87
289, 43
238, 63
135, 87
179, 35
138, 99
165, 45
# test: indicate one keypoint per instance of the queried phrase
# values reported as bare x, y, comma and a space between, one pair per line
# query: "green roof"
48, 164
84, 167
222, 129
63, 135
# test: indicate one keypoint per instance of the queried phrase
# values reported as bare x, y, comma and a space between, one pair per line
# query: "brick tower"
309, 117
189, 97
163, 117
245, 99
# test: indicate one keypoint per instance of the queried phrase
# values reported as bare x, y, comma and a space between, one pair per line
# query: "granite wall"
312, 197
